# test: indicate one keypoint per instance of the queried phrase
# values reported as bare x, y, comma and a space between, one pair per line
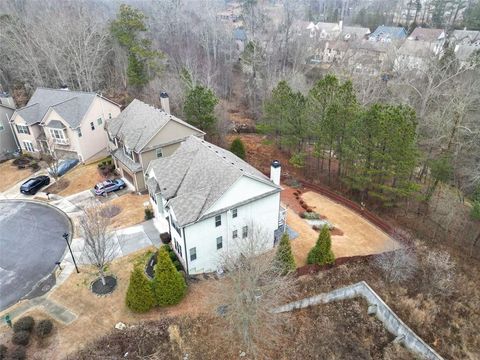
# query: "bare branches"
253, 286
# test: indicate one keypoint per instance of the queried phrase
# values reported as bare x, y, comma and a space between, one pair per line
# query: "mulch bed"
100, 289
60, 185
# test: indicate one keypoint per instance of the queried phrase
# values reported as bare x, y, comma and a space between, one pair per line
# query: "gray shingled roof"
71, 105
424, 34
138, 123
194, 177
56, 124
416, 48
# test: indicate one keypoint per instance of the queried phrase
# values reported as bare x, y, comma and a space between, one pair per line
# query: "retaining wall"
377, 307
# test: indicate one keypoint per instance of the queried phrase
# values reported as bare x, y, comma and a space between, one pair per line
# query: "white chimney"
165, 102
340, 25
275, 171
64, 87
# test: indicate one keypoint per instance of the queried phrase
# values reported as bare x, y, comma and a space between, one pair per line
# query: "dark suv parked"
31, 186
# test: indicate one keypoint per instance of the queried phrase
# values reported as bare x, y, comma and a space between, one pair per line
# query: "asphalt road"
30, 244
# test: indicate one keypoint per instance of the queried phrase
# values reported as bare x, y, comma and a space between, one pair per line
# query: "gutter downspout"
185, 246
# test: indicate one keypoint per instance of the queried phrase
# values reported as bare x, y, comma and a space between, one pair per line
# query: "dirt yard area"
81, 178
10, 175
132, 210
359, 237
97, 315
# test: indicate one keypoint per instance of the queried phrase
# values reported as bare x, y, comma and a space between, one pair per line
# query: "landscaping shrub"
238, 148
168, 284
310, 215
18, 353
322, 253
25, 323
21, 337
304, 206
140, 297
302, 215
148, 213
284, 256
34, 166
172, 255
178, 265
44, 328
3, 352
302, 202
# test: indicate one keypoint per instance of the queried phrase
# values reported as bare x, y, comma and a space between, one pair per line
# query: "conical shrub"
284, 256
168, 284
322, 253
140, 296
238, 148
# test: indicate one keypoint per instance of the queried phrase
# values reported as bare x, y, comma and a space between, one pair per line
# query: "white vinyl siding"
28, 146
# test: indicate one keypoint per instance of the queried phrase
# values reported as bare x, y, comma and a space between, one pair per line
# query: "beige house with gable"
142, 133
68, 122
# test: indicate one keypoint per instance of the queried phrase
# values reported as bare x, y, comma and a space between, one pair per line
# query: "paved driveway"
30, 244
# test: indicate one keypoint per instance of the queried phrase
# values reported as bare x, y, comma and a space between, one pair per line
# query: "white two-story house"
68, 122
209, 199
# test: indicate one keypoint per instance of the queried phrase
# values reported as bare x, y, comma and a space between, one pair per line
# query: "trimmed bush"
3, 352
25, 323
18, 353
140, 296
238, 148
322, 253
165, 238
168, 284
284, 256
148, 213
44, 328
21, 338
310, 215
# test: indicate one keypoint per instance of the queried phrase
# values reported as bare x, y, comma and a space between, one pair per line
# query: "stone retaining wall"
376, 307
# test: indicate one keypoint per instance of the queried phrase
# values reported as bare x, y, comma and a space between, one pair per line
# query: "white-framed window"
235, 234
218, 220
22, 129
92, 125
57, 134
244, 232
159, 152
28, 146
128, 152
219, 243
234, 213
99, 121
1, 126
79, 132
109, 115
193, 254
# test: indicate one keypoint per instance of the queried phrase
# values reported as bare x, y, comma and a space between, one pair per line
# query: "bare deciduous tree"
398, 265
440, 272
100, 246
252, 288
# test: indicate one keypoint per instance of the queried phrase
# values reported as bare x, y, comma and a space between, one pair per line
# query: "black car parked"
31, 186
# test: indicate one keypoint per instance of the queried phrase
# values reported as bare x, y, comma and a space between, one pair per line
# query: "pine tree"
199, 108
140, 296
238, 148
168, 284
322, 253
284, 256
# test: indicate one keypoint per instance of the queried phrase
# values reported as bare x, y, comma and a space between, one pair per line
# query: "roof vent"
64, 87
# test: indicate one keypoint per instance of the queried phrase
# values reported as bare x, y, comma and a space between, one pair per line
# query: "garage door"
128, 177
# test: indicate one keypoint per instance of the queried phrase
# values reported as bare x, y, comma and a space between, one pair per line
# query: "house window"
109, 115
128, 152
1, 126
234, 213
159, 153
235, 234
28, 146
92, 126
218, 220
22, 129
57, 134
79, 132
244, 232
219, 242
99, 121
193, 254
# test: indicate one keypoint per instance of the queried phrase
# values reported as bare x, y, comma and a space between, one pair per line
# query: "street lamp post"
65, 236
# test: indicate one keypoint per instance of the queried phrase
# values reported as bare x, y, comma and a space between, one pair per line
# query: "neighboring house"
8, 142
209, 200
421, 45
240, 37
336, 50
466, 45
142, 133
369, 58
70, 123
388, 34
